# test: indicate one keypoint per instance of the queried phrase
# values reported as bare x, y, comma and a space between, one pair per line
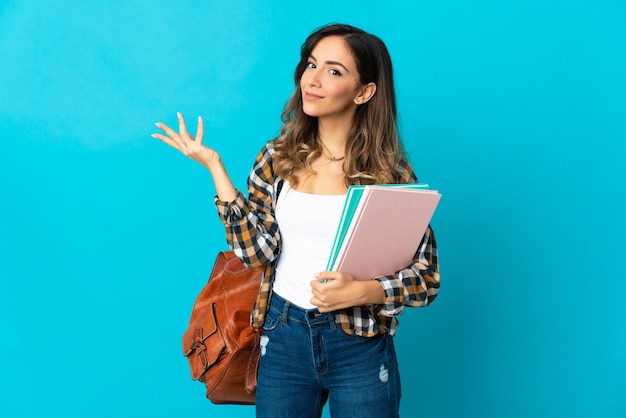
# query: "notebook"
381, 228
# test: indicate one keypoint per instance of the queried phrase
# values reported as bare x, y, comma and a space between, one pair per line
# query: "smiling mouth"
311, 96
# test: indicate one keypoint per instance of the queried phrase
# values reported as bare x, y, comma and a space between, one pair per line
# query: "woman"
326, 336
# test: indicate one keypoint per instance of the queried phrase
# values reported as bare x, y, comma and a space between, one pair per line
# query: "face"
330, 83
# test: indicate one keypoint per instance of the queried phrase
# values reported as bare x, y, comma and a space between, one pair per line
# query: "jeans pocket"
273, 319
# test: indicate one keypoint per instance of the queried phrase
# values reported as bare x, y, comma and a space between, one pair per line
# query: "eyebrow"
333, 63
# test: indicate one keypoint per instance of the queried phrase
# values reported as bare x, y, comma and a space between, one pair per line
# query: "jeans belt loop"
285, 314
331, 320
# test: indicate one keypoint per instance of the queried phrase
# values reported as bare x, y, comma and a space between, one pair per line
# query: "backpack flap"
202, 343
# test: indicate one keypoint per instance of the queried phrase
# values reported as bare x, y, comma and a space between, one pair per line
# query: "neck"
334, 137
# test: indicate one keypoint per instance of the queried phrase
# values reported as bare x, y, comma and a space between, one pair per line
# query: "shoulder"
263, 169
266, 154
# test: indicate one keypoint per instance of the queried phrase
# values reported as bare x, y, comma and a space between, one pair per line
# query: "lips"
311, 96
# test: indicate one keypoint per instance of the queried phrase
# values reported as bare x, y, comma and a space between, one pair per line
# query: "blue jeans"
306, 359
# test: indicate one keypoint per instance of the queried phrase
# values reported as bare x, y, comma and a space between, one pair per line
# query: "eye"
332, 71
310, 64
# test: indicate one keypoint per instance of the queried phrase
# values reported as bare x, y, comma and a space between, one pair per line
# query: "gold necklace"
331, 158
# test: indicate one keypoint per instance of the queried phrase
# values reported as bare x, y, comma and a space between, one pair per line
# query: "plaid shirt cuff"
231, 212
393, 302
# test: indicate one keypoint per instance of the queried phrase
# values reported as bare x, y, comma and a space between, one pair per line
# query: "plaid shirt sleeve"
416, 285
251, 228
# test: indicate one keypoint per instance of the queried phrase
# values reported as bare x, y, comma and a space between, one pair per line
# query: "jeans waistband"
294, 312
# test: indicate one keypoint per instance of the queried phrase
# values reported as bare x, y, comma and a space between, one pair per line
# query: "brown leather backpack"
221, 346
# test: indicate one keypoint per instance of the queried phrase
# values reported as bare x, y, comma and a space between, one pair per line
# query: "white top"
308, 223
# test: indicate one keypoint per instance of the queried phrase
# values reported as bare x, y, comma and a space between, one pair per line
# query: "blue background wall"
514, 110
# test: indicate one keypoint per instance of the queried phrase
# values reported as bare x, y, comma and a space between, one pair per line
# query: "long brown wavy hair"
374, 154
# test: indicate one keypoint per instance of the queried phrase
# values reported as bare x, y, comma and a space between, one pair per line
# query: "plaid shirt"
253, 234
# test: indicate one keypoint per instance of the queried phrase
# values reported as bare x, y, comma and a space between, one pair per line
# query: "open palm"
187, 144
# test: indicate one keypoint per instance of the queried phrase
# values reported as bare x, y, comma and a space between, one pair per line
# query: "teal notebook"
349, 208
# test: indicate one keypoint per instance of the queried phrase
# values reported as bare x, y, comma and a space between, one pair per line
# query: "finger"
314, 286
182, 128
324, 276
171, 133
200, 132
319, 287
321, 305
165, 128
167, 140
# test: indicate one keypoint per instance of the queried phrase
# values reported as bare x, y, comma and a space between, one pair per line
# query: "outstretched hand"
187, 144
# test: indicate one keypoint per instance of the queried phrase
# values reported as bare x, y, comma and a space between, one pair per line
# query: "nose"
312, 78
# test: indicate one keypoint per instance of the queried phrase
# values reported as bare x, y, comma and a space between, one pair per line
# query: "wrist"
214, 164
372, 292
223, 185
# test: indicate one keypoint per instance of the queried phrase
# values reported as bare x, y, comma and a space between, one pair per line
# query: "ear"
365, 94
